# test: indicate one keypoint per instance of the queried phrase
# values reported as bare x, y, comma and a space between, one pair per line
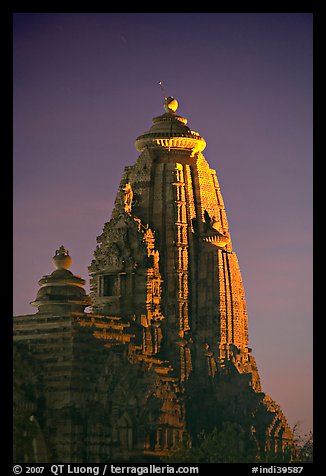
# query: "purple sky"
86, 85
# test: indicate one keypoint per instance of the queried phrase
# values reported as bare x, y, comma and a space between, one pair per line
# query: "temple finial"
170, 104
61, 259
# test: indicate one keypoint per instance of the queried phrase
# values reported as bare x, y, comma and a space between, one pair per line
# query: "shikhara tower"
164, 353
194, 295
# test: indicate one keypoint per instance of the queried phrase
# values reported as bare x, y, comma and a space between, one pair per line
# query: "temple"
158, 351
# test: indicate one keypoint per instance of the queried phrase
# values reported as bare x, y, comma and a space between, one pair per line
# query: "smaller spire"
61, 291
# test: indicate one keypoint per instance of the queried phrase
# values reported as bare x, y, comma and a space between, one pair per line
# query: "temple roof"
170, 131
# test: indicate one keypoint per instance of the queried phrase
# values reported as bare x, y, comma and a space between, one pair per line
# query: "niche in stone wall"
123, 432
110, 285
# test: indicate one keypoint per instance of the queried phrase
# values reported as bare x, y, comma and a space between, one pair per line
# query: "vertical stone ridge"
223, 324
181, 244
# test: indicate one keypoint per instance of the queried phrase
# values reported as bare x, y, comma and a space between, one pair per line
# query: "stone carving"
127, 199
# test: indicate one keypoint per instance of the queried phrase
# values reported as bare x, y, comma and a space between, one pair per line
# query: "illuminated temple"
158, 351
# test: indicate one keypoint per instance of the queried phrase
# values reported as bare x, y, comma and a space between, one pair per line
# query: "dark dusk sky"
86, 85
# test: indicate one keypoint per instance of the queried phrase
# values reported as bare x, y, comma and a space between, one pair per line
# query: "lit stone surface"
163, 354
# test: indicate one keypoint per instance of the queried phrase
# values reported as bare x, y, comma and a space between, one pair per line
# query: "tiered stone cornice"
169, 131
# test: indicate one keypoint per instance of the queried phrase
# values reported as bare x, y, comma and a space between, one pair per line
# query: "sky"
86, 85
